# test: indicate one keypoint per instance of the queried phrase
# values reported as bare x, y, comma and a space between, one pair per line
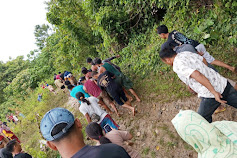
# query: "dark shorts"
118, 95
209, 105
126, 82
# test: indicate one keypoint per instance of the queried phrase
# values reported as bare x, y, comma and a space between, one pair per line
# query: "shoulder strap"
178, 37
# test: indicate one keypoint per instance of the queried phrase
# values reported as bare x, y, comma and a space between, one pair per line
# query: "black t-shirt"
102, 151
22, 155
5, 154
106, 81
177, 38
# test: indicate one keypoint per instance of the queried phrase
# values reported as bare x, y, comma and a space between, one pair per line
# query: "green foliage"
41, 34
73, 40
39, 70
117, 21
104, 28
8, 71
20, 85
34, 111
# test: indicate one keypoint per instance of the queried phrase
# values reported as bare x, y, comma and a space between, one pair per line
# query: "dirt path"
154, 135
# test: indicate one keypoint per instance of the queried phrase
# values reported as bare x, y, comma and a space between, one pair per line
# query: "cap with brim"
54, 117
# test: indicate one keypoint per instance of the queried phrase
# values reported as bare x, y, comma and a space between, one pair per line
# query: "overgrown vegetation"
104, 28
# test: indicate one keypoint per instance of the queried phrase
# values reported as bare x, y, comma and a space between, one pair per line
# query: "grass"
163, 86
146, 151
153, 154
170, 145
28, 129
162, 142
167, 131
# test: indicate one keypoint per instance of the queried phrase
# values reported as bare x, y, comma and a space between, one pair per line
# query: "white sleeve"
182, 68
83, 110
94, 99
206, 55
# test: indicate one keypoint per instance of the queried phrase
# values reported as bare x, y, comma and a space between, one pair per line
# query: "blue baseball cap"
53, 118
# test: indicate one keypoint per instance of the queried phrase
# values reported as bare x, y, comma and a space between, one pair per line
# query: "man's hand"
191, 90
117, 56
218, 98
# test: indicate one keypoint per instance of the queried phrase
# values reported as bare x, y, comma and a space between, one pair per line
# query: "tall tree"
41, 34
9, 71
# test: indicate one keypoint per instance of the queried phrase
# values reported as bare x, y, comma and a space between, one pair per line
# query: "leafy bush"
104, 28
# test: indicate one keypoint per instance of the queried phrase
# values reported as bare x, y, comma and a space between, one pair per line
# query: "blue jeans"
209, 105
108, 120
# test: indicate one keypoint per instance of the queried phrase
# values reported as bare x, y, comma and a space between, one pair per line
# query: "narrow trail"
153, 133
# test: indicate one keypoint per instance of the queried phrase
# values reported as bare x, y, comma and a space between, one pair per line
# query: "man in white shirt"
211, 87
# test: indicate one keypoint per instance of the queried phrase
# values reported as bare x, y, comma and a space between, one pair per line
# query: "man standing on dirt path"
211, 87
178, 39
64, 134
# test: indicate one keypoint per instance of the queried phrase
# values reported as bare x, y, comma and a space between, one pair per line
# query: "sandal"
218, 111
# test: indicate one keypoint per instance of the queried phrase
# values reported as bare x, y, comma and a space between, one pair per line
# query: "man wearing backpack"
178, 39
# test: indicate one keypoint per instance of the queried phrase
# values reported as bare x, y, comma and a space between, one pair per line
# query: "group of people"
12, 118
105, 82
12, 149
6, 133
193, 65
49, 87
105, 85
102, 86
60, 79
10, 144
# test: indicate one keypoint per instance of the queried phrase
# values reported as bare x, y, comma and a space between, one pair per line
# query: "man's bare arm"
205, 82
204, 61
220, 63
102, 70
88, 118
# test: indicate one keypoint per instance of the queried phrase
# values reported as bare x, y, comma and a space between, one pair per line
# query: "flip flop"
218, 111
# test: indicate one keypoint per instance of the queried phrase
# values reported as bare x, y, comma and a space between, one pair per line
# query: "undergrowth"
214, 26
